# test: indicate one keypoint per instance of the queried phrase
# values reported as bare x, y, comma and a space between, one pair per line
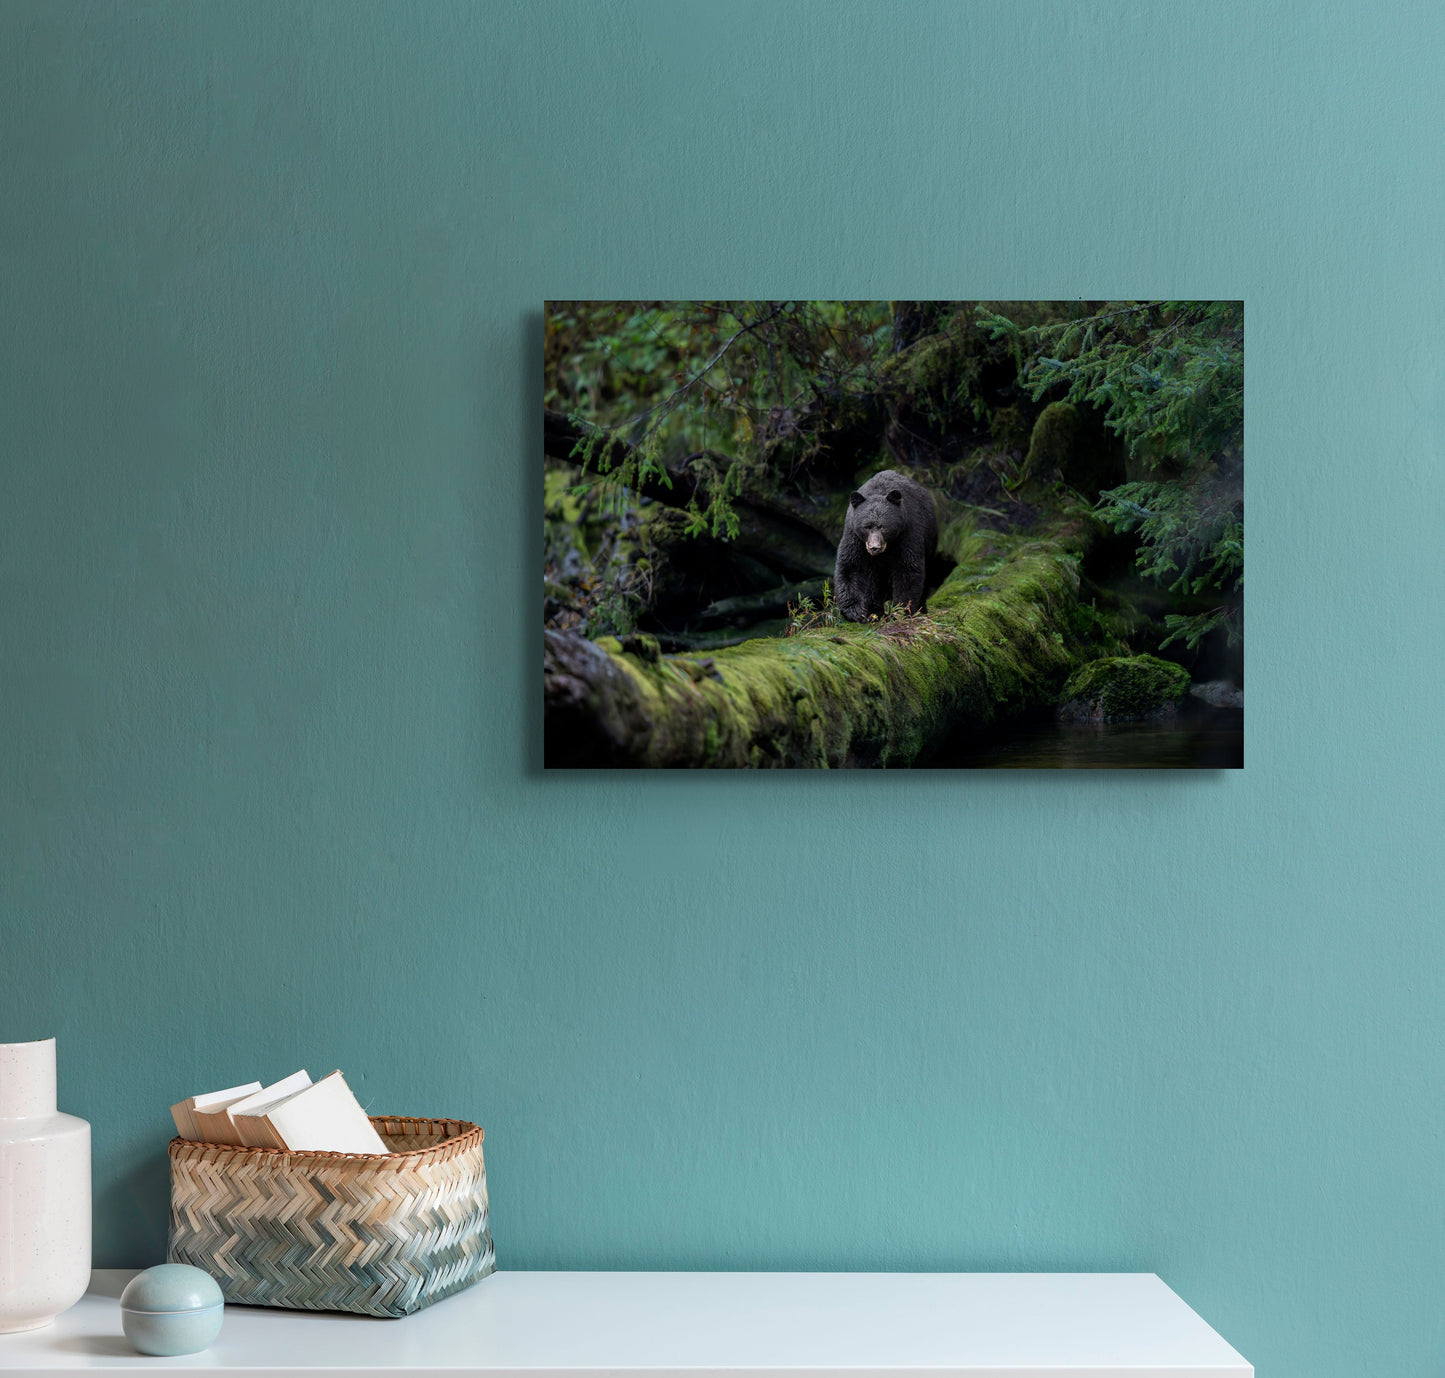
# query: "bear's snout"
877, 543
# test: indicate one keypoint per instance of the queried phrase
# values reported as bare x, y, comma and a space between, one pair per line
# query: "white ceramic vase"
44, 1192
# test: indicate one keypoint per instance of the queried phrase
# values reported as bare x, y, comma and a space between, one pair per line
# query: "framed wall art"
922, 534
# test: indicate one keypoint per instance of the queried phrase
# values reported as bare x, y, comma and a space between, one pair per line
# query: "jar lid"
171, 1287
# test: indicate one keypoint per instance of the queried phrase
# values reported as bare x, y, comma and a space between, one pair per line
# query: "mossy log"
748, 608
1001, 635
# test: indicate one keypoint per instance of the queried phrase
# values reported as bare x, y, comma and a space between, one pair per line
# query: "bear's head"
878, 518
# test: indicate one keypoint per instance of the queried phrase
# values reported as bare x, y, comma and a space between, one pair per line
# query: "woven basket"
378, 1234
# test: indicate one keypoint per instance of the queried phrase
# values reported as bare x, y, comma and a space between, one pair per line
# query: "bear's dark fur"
890, 535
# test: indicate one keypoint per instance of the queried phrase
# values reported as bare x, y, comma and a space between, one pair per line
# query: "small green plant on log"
806, 615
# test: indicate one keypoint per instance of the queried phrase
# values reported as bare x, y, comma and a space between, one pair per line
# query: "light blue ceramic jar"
171, 1309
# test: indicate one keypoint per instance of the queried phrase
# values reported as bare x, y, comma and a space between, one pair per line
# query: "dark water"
1211, 738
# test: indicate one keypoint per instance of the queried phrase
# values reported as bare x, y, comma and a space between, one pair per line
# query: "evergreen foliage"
1168, 377
740, 395
707, 384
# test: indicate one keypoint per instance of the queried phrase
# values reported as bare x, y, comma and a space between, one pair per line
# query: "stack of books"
295, 1114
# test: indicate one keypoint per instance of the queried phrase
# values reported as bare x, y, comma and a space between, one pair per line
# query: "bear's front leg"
851, 603
908, 585
855, 592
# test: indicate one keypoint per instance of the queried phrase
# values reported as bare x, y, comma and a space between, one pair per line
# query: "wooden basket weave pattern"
379, 1235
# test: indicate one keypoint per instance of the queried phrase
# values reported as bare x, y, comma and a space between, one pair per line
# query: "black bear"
890, 535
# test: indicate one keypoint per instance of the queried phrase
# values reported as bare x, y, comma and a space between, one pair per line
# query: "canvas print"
896, 534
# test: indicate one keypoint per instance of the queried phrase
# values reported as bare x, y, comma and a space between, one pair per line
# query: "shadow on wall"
530, 660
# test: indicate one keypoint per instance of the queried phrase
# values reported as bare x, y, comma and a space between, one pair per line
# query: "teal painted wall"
270, 792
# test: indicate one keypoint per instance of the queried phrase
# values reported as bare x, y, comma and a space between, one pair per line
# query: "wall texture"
270, 794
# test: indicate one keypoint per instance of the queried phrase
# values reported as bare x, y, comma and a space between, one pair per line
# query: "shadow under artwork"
969, 534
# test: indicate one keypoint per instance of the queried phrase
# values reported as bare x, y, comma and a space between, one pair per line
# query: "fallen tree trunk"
1001, 635
748, 608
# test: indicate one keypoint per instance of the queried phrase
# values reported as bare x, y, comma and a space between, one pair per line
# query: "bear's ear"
856, 500
896, 497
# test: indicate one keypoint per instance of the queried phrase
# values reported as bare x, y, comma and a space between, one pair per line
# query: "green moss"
710, 740
1053, 439
1119, 688
558, 501
642, 646
999, 638
1108, 627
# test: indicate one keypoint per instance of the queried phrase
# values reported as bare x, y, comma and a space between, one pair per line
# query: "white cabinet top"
764, 1325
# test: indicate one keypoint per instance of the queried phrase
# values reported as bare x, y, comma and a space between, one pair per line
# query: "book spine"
256, 1131
215, 1127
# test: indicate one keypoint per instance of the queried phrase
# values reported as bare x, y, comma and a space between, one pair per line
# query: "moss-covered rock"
1053, 439
1122, 689
1073, 444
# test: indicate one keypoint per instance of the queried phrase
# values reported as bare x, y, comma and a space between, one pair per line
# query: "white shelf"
762, 1325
